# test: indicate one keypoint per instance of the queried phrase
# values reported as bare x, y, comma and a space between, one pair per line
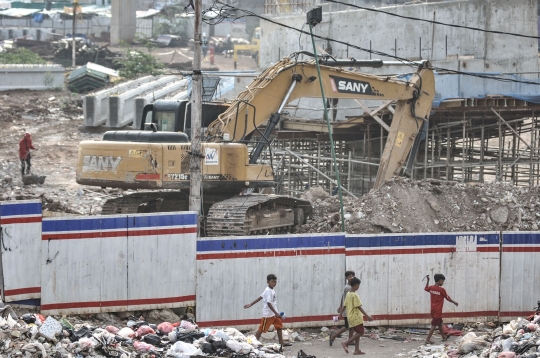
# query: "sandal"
331, 340
345, 347
429, 342
358, 353
286, 344
445, 338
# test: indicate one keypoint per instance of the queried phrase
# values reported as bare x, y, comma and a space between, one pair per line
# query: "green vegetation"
20, 56
136, 63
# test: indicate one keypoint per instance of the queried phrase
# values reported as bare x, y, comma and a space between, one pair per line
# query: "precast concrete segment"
20, 222
122, 106
391, 268
117, 263
308, 268
150, 97
520, 273
96, 105
33, 77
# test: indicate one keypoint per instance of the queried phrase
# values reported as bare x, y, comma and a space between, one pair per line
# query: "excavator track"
256, 214
146, 202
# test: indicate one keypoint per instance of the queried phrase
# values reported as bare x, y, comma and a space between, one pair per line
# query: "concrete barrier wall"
392, 267
33, 77
520, 274
20, 224
231, 272
117, 263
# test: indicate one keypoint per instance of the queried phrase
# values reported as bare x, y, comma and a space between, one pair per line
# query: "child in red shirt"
438, 294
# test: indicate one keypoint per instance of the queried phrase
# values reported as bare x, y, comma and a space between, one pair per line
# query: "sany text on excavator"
157, 156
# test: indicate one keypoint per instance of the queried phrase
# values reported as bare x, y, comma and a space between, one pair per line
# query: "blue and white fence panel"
117, 263
84, 264
231, 272
161, 260
392, 267
520, 274
20, 249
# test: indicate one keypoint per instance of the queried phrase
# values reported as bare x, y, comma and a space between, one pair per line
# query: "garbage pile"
402, 205
36, 335
518, 339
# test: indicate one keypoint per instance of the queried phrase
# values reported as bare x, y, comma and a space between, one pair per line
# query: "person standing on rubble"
437, 295
349, 275
270, 313
25, 145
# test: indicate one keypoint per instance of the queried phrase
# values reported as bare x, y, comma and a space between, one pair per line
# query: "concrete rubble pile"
402, 205
518, 339
33, 335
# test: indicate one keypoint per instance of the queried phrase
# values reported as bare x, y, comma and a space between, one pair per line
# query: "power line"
375, 52
435, 22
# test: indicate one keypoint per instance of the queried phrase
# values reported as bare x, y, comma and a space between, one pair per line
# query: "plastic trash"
187, 325
238, 347
173, 337
143, 347
165, 328
471, 342
222, 335
126, 333
507, 344
28, 318
283, 315
112, 329
152, 339
183, 350
144, 330
507, 355
50, 328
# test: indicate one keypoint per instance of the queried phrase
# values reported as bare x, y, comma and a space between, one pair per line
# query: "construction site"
175, 144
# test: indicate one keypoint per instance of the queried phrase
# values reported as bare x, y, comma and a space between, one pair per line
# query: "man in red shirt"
24, 152
438, 294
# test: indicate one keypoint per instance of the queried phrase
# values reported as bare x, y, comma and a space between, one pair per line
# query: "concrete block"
140, 102
96, 105
122, 106
33, 77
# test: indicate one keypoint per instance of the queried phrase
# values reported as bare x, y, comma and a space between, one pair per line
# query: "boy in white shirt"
270, 313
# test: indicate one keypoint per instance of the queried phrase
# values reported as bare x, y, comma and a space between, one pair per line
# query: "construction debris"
407, 206
519, 338
34, 334
90, 77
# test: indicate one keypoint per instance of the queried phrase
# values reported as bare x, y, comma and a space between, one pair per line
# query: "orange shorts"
266, 322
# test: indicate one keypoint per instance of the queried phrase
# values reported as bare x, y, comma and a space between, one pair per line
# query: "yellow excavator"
157, 156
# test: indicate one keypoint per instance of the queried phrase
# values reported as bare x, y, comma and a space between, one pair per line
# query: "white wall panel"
20, 249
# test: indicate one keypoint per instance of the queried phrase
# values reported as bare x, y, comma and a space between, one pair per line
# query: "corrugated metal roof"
18, 12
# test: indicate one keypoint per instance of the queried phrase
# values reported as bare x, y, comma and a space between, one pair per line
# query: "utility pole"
74, 43
196, 114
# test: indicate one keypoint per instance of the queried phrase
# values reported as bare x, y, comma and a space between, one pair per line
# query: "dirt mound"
408, 206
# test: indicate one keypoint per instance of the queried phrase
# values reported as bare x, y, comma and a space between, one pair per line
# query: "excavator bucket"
406, 125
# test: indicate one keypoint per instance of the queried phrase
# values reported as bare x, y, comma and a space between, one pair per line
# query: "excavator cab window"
166, 121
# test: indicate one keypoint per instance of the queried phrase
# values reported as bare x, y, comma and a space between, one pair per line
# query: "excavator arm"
267, 95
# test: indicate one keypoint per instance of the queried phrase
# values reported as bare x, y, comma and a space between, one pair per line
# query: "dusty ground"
53, 118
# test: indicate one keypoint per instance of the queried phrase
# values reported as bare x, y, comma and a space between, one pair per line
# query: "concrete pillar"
123, 22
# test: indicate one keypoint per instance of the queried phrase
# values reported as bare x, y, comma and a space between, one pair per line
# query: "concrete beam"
96, 105
122, 107
151, 97
33, 77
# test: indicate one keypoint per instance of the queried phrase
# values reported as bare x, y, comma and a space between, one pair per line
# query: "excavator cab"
175, 116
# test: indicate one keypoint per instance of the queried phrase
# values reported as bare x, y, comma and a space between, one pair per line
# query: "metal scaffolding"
469, 140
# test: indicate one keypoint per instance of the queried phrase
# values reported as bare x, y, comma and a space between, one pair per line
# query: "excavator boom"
289, 80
